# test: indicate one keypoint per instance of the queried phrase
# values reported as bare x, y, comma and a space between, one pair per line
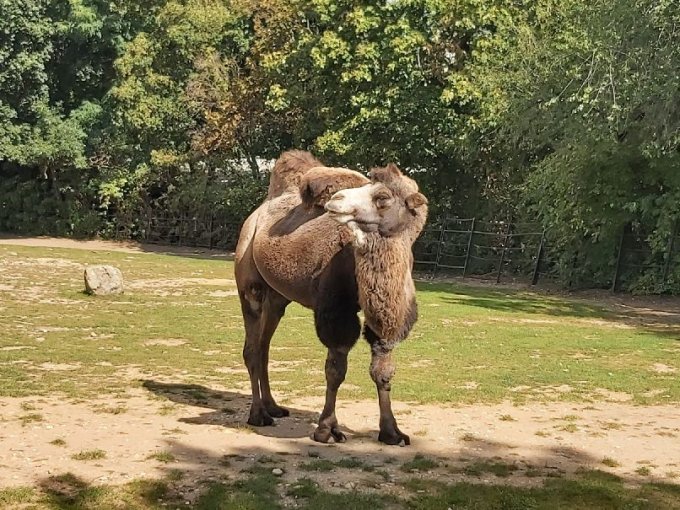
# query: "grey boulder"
103, 280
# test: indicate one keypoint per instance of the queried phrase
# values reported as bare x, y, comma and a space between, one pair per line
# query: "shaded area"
659, 315
227, 409
251, 483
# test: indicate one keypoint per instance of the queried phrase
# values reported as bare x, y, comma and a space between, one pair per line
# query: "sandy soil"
120, 246
208, 438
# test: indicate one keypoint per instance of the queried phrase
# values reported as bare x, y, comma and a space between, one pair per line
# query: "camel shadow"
230, 409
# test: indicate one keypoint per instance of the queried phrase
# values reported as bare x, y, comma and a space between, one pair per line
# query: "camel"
337, 243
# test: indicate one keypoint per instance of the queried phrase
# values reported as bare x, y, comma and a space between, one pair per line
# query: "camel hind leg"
262, 308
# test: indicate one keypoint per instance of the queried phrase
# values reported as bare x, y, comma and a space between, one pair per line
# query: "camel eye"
382, 200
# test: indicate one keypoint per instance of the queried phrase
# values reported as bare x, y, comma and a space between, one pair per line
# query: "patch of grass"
506, 417
611, 425
14, 496
162, 456
594, 490
467, 437
303, 488
419, 463
350, 500
28, 406
176, 430
569, 427
89, 455
175, 475
351, 463
643, 471
265, 459
58, 442
542, 433
557, 326
111, 409
570, 417
499, 469
318, 465
166, 409
27, 419
608, 461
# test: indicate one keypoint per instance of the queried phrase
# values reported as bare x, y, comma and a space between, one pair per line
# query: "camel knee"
251, 356
336, 369
382, 370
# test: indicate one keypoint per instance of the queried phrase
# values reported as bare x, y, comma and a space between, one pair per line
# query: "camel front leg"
382, 369
336, 368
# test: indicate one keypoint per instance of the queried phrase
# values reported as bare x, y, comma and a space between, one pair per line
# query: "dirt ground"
120, 246
207, 438
164, 426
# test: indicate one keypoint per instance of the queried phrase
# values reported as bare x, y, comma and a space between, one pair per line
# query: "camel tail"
289, 170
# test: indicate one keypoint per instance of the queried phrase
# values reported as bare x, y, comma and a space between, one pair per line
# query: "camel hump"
319, 184
288, 171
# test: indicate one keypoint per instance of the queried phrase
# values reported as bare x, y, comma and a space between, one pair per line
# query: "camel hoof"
277, 411
260, 420
394, 438
328, 436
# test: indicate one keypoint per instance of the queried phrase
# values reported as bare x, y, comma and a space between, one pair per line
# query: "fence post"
210, 232
617, 269
439, 248
469, 247
669, 255
539, 255
505, 244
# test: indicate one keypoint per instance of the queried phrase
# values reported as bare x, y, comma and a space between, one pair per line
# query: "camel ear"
386, 174
416, 200
315, 192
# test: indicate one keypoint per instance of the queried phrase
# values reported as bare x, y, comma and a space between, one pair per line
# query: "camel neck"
385, 285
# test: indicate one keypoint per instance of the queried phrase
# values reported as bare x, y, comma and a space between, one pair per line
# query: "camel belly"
292, 246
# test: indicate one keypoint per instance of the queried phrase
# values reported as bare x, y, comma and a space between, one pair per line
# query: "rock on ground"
103, 280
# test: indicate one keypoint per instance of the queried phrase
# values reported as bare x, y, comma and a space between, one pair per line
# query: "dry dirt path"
119, 246
206, 438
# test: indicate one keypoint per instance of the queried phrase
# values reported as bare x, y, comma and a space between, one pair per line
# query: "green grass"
419, 463
318, 465
89, 455
27, 419
260, 490
162, 456
608, 461
513, 344
593, 490
499, 469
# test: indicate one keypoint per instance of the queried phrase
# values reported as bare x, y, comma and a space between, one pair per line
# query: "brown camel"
336, 242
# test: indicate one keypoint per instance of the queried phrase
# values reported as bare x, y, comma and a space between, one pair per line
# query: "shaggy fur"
289, 170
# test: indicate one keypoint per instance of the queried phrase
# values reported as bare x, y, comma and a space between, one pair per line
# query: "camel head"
389, 205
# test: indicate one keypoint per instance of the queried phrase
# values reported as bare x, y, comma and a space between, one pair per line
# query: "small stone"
103, 280
277, 471
350, 485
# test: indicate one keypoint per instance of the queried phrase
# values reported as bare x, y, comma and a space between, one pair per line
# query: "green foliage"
564, 112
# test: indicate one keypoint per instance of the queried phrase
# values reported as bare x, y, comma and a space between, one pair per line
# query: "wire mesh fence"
468, 247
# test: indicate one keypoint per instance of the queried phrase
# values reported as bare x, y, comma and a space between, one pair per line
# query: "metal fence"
489, 250
454, 247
